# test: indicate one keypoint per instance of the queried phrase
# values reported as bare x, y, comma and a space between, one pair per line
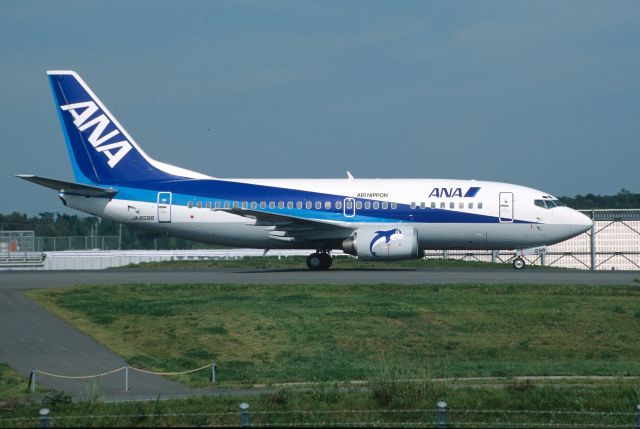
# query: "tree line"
622, 200
49, 224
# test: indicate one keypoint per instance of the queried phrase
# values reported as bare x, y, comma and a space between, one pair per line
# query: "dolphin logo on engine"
385, 237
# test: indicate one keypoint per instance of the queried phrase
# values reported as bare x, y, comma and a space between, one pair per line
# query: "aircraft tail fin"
101, 150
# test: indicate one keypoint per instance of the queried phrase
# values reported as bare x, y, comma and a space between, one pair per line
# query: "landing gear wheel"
327, 260
518, 263
319, 261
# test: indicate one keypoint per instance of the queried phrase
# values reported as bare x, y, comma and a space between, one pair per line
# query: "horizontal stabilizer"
70, 187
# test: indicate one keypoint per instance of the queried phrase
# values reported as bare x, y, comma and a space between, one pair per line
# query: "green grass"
306, 333
385, 405
344, 263
12, 384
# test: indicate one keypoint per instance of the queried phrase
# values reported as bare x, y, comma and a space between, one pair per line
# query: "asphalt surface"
24, 280
31, 337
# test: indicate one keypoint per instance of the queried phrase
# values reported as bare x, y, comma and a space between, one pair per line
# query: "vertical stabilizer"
101, 150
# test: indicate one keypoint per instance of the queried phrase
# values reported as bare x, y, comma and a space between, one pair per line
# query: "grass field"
342, 262
12, 384
388, 404
290, 333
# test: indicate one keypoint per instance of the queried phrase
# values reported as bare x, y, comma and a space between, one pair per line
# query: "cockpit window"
548, 203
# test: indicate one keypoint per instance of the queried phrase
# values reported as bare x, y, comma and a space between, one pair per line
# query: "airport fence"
97, 242
17, 243
23, 250
441, 416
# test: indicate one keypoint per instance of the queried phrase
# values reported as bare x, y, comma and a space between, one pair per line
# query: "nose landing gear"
518, 263
319, 261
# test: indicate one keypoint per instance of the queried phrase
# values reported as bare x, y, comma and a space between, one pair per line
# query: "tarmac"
32, 338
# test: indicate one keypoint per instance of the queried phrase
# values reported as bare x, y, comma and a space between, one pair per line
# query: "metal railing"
441, 416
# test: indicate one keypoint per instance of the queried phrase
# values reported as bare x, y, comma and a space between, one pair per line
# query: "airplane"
371, 219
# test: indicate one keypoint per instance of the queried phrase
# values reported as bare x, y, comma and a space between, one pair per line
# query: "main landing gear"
319, 261
518, 263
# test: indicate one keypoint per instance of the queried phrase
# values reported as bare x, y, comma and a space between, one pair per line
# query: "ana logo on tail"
81, 113
385, 237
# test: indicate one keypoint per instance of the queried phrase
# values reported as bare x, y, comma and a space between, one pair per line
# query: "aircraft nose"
581, 221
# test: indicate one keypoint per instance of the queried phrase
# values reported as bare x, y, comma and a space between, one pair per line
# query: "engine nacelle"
383, 243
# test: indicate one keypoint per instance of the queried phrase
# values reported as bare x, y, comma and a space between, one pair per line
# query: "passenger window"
376, 205
367, 205
208, 205
470, 205
394, 206
290, 204
327, 205
349, 204
358, 205
479, 205
244, 204
254, 205
235, 204
226, 204
217, 204
423, 205
299, 204
413, 205
433, 205
280, 204
338, 205
452, 205
443, 205
318, 205
199, 204
308, 204
263, 204
385, 205
461, 205
190, 204
272, 204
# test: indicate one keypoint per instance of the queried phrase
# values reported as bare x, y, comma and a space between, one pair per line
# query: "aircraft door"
506, 207
164, 207
349, 207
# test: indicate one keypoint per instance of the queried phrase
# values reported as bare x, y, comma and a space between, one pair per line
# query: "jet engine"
383, 242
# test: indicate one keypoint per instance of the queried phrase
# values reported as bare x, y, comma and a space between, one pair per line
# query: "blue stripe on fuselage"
213, 190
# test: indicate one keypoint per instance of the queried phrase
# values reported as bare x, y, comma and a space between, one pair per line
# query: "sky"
543, 94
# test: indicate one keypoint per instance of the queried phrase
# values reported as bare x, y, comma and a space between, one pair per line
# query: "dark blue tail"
101, 150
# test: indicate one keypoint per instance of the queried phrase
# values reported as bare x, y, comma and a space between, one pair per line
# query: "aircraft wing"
70, 187
293, 228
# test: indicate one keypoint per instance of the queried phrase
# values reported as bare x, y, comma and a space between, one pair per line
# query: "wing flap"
293, 228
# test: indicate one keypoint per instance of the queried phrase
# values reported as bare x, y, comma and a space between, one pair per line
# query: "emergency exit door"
164, 207
506, 207
349, 207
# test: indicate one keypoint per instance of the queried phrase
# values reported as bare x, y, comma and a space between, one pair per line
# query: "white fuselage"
446, 215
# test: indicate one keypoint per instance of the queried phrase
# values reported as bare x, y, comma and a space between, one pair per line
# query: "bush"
392, 385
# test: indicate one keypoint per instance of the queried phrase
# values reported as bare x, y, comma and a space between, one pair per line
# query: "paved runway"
34, 338
23, 280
